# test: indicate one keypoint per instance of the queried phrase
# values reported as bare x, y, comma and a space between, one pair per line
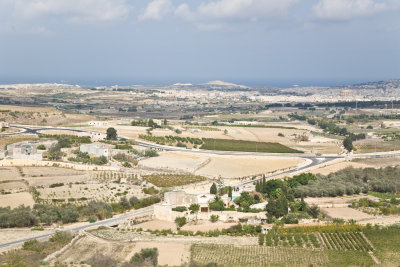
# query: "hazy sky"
260, 42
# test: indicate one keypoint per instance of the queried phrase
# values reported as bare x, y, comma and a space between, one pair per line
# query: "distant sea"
280, 83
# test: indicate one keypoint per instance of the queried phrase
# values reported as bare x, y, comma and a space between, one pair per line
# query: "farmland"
171, 180
229, 255
246, 146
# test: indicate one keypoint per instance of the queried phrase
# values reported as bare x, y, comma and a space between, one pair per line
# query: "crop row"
345, 241
299, 240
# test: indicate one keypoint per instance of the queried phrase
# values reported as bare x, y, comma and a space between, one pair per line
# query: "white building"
95, 149
94, 136
98, 123
28, 149
4, 124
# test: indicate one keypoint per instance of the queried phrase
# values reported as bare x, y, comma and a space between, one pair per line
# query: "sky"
253, 42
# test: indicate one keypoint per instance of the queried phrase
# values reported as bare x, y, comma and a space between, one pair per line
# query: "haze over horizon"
251, 42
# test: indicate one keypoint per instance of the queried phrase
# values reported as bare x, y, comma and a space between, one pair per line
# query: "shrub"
214, 218
180, 221
61, 238
179, 209
33, 245
150, 153
150, 191
194, 208
41, 147
146, 256
56, 185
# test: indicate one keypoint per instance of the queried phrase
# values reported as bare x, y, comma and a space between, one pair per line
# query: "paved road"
107, 222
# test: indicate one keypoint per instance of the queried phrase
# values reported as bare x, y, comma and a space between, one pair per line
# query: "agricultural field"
387, 244
246, 146
230, 255
214, 166
345, 241
287, 136
172, 180
82, 193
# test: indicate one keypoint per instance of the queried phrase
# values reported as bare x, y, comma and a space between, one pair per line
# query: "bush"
134, 200
17, 217
214, 218
145, 202
61, 238
99, 209
127, 165
122, 157
150, 191
41, 147
194, 208
56, 185
33, 245
290, 219
179, 209
100, 260
145, 257
180, 221
150, 153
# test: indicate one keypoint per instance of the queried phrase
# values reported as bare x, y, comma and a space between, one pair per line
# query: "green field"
245, 146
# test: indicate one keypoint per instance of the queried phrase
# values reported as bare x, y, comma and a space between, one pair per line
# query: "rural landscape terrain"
214, 174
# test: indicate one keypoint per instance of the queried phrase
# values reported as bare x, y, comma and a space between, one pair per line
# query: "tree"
151, 123
194, 208
216, 205
213, 189
230, 192
111, 134
277, 207
348, 144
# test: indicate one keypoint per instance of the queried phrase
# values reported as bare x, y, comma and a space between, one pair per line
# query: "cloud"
74, 11
157, 10
347, 9
224, 10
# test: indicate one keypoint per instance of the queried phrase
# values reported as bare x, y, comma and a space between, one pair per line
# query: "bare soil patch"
347, 213
16, 199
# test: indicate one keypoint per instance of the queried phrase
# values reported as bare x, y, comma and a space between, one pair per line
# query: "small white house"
28, 149
95, 149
